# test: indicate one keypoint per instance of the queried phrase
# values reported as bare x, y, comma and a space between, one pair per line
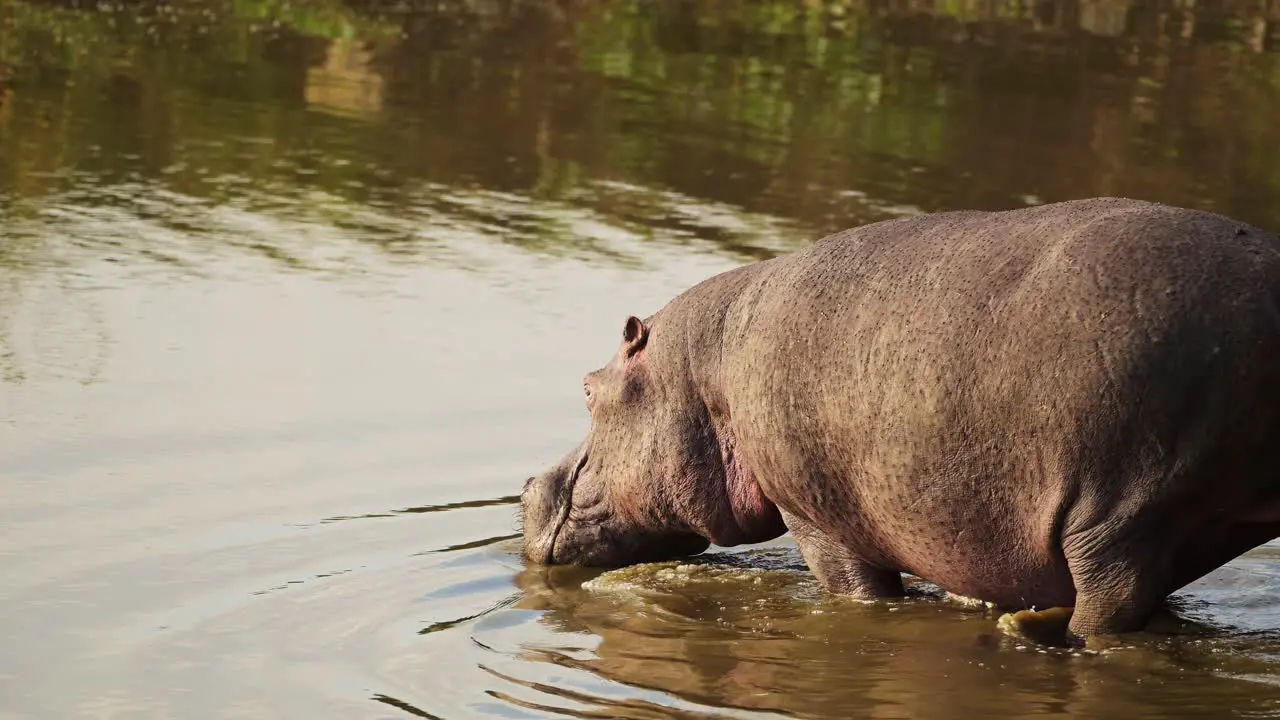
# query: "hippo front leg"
839, 570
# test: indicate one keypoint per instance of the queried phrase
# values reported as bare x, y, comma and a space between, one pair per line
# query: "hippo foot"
1041, 627
1050, 627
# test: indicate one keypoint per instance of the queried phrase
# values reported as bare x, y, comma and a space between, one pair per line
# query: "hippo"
1073, 405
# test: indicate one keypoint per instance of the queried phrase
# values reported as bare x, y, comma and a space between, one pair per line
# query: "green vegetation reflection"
747, 127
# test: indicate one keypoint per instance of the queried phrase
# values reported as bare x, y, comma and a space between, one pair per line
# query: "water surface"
293, 296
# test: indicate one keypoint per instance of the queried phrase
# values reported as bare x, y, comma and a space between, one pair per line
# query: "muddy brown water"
293, 296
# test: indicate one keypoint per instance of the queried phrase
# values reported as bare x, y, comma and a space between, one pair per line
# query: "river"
295, 295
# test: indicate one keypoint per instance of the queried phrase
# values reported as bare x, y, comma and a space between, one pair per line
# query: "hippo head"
649, 482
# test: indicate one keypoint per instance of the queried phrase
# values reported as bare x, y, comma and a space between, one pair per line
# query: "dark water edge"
826, 114
294, 294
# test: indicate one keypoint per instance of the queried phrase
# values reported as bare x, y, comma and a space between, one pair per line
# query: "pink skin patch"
754, 515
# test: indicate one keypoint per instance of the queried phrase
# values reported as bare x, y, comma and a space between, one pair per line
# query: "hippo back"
1043, 360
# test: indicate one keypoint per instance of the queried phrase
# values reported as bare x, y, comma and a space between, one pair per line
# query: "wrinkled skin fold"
1075, 405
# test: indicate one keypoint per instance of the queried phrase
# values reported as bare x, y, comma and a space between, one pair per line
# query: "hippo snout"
541, 511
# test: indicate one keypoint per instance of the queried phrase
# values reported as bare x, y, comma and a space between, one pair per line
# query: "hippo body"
1071, 405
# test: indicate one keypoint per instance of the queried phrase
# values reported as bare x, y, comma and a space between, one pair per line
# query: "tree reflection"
826, 113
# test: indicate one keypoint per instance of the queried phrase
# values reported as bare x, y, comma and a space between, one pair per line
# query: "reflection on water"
730, 635
294, 294
751, 635
345, 83
829, 114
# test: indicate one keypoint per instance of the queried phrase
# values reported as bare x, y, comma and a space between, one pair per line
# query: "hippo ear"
634, 335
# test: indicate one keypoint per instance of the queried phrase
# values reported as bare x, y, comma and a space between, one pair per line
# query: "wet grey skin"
1075, 405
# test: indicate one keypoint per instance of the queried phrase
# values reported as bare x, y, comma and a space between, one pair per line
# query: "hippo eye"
586, 391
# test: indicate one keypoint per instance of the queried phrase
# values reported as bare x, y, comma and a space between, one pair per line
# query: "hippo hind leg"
1123, 577
1121, 574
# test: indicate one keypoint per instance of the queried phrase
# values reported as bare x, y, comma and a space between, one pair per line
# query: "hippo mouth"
565, 503
568, 519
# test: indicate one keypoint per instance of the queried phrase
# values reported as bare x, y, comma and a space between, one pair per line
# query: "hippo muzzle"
545, 504
569, 518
